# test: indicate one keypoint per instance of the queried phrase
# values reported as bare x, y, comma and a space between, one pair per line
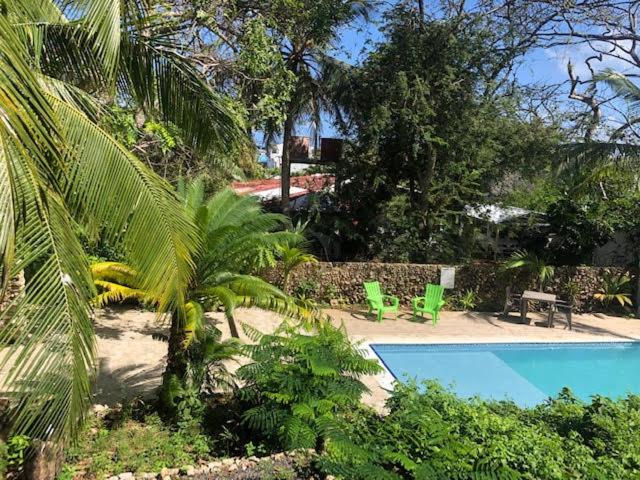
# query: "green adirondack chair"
378, 301
431, 303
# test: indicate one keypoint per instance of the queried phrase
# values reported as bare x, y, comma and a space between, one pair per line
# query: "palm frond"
47, 343
194, 323
110, 188
622, 86
50, 359
168, 87
112, 292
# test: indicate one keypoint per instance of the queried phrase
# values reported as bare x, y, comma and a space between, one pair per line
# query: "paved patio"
132, 356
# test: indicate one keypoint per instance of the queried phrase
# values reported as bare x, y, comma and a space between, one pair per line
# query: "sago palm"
59, 168
239, 239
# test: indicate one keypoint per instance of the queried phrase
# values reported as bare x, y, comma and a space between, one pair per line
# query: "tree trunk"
176, 358
233, 328
421, 13
286, 164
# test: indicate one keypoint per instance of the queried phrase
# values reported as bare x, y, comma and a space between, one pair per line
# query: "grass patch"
147, 445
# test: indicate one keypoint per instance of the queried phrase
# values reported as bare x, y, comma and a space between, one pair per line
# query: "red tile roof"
300, 185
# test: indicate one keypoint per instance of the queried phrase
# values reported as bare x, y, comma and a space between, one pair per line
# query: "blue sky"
545, 66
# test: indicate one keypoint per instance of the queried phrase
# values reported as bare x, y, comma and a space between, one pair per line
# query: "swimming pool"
527, 373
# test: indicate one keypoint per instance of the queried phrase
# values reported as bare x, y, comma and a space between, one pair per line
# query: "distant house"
274, 158
302, 188
499, 221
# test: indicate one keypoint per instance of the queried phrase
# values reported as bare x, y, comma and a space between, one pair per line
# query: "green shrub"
134, 446
431, 433
306, 288
298, 383
3, 459
16, 449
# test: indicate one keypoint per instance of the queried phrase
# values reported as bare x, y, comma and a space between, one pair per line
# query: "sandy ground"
132, 353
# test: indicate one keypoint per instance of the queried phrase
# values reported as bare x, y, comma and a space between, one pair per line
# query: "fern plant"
299, 382
615, 288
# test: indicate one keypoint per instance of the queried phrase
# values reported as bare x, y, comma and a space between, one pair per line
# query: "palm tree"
532, 264
59, 169
238, 239
588, 164
306, 34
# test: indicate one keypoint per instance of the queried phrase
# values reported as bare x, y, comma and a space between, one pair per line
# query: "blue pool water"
527, 373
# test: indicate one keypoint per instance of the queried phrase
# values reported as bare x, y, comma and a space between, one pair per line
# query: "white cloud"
578, 54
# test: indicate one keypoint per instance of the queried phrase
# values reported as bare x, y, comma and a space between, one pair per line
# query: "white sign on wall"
448, 277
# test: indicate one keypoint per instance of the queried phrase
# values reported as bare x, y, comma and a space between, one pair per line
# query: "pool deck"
131, 358
459, 327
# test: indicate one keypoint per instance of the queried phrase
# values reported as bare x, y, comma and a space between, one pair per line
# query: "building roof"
269, 189
496, 213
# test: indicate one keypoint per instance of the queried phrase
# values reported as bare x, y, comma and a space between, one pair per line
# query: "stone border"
224, 468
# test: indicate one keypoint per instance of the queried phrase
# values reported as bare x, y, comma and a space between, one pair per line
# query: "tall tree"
59, 168
305, 30
427, 124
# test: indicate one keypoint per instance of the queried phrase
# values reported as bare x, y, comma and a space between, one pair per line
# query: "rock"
169, 472
125, 476
46, 461
228, 461
97, 408
214, 465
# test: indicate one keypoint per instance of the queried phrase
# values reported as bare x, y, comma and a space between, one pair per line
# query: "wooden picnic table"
531, 295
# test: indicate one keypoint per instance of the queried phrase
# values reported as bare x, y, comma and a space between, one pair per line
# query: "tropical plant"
238, 239
292, 258
293, 255
615, 288
17, 446
58, 166
300, 381
430, 433
533, 265
467, 299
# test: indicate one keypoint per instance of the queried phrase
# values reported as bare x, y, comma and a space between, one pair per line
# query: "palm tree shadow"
126, 383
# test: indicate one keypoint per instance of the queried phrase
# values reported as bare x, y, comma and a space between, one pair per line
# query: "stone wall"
343, 280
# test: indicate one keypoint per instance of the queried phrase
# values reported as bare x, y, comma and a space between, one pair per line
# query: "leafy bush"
299, 382
431, 433
3, 459
468, 299
615, 288
306, 288
135, 446
15, 452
